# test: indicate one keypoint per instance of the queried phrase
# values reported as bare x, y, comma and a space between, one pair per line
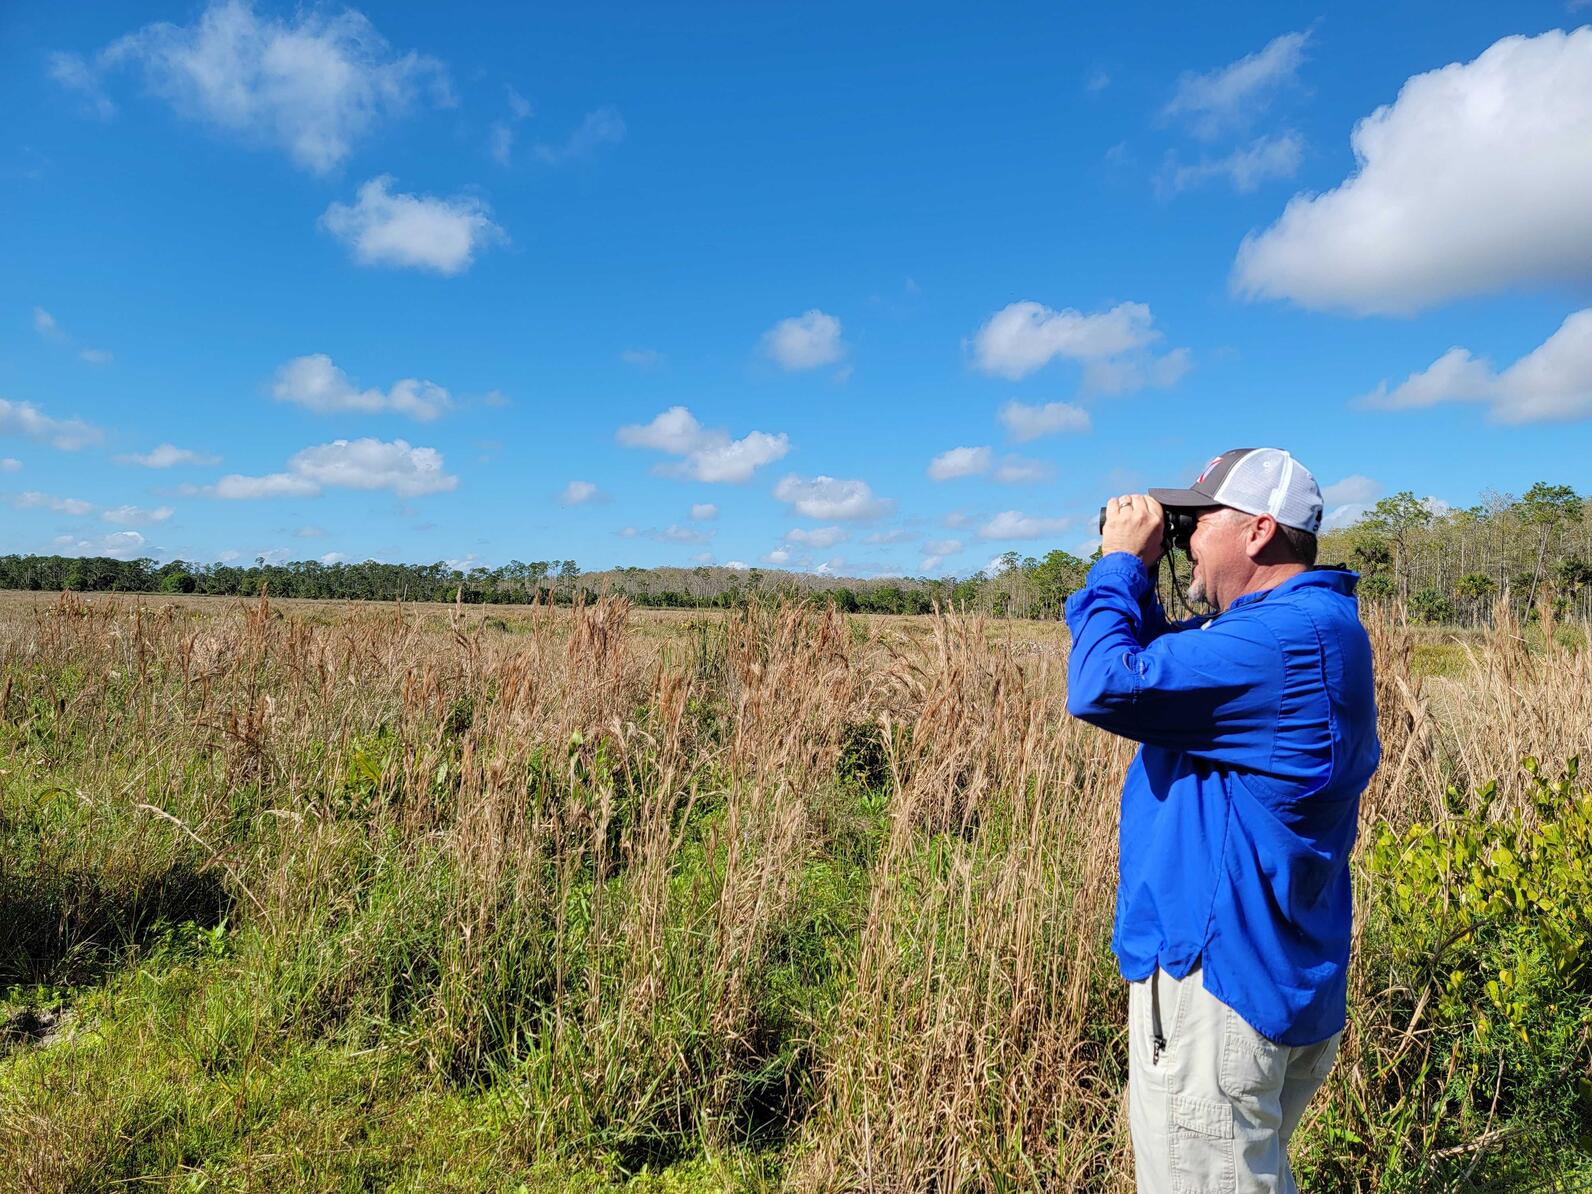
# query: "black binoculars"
1179, 527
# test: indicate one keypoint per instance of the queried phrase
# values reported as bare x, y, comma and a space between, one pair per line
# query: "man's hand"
1136, 524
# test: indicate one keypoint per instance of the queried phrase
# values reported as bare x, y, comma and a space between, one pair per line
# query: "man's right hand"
1136, 524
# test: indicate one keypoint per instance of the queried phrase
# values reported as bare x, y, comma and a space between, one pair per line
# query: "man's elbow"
1090, 701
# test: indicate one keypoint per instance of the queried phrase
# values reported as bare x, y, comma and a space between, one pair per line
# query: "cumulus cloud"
1127, 374
936, 551
579, 493
960, 462
1024, 422
704, 511
807, 341
819, 538
1014, 524
1354, 488
312, 84
315, 383
136, 516
780, 556
602, 127
1474, 179
829, 499
119, 545
168, 456
1551, 383
413, 231
1021, 470
708, 453
1229, 97
1262, 160
347, 464
1026, 336
10, 464
28, 421
32, 499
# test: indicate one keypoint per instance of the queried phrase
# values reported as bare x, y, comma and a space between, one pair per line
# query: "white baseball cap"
1256, 481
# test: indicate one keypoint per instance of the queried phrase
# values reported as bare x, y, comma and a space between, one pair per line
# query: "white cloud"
960, 462
709, 453
44, 323
806, 341
417, 231
1025, 336
136, 516
313, 84
32, 499
1474, 179
896, 536
315, 383
819, 538
1551, 383
1123, 375
736, 565
334, 557
703, 511
309, 532
519, 106
1343, 515
28, 421
73, 72
957, 519
10, 464
347, 464
1013, 524
936, 551
828, 499
239, 488
1021, 470
1230, 97
780, 556
603, 127
1026, 423
119, 545
674, 533
50, 328
578, 493
1245, 169
1353, 488
642, 358
500, 143
167, 456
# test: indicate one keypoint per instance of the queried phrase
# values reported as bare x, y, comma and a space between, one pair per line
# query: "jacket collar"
1339, 580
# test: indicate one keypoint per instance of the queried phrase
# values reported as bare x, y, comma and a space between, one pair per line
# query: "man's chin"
1196, 592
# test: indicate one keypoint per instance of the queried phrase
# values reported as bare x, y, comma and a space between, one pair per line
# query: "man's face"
1217, 549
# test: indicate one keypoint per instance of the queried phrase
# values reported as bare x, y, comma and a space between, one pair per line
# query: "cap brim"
1184, 499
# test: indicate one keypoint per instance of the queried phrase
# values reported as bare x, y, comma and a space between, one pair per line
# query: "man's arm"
1213, 692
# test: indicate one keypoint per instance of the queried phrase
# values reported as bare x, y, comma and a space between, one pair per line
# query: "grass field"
308, 895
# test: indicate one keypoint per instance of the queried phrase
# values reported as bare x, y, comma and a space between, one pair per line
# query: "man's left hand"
1136, 524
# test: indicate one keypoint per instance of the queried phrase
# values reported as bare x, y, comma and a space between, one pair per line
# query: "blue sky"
866, 288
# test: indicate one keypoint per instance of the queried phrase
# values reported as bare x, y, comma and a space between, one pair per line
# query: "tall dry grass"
810, 888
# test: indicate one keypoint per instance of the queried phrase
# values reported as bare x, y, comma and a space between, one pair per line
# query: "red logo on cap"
1199, 479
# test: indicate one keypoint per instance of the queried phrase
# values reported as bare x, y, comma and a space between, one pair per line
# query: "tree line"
1444, 564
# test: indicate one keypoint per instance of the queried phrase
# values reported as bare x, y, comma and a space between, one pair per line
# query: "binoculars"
1179, 527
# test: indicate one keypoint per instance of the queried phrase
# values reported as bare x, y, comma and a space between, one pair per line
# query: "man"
1258, 728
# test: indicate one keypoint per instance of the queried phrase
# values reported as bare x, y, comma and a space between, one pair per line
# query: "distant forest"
1444, 564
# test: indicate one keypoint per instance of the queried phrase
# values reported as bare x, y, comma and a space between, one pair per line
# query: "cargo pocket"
1201, 1145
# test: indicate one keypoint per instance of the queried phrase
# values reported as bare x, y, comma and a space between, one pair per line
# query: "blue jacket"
1239, 811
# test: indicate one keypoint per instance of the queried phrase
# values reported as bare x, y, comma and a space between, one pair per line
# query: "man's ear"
1261, 533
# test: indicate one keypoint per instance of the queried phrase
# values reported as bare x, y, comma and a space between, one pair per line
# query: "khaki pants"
1212, 1106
